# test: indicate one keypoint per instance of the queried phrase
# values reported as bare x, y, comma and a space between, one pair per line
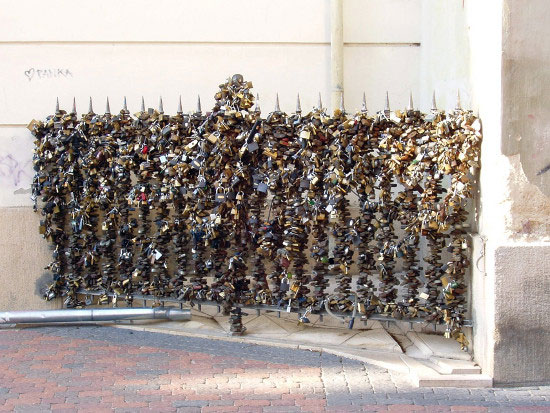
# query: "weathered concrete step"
450, 366
455, 380
434, 345
422, 375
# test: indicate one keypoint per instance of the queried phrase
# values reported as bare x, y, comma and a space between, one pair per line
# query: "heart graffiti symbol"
29, 73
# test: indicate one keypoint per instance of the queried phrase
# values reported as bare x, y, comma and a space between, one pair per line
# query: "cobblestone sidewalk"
99, 369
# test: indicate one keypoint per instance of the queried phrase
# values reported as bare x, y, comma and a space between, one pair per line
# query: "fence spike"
142, 104
411, 105
387, 105
364, 104
434, 105
458, 104
277, 108
180, 110
320, 103
107, 107
199, 109
74, 106
257, 107
161, 107
124, 105
298, 105
56, 105
90, 108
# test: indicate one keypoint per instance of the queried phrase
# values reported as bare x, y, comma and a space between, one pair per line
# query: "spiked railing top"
257, 106
107, 107
434, 105
90, 107
199, 109
180, 109
256, 109
277, 107
387, 105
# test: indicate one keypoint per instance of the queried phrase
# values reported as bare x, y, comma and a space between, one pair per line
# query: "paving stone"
190, 403
281, 409
125, 371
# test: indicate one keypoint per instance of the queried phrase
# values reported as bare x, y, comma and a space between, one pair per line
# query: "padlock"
285, 284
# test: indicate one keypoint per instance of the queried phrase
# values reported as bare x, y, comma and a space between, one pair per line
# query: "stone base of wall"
23, 256
522, 316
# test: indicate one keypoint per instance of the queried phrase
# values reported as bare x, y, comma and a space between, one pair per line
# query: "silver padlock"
220, 195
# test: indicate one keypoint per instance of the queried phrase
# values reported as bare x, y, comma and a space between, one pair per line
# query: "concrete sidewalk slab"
265, 327
321, 336
377, 339
290, 326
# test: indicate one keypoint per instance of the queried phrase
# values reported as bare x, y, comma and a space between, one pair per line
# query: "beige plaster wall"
461, 52
526, 87
445, 54
173, 48
485, 44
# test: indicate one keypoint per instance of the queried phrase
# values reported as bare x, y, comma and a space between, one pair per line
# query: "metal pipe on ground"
93, 314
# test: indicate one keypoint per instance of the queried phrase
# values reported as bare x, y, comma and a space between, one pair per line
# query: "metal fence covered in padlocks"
305, 212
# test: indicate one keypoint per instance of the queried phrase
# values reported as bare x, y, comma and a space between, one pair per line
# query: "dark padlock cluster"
304, 212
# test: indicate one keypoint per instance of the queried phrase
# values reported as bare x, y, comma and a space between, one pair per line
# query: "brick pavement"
100, 369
